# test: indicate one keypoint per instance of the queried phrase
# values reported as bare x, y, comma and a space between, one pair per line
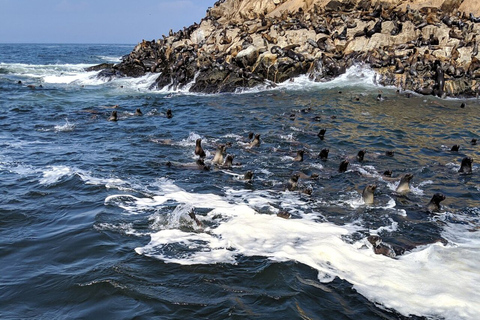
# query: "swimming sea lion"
321, 133
283, 214
323, 155
381, 248
473, 142
434, 204
292, 183
169, 114
192, 215
218, 158
361, 155
466, 165
228, 162
138, 112
404, 185
299, 157
343, 166
255, 142
368, 193
198, 148
248, 176
198, 165
389, 153
455, 147
113, 116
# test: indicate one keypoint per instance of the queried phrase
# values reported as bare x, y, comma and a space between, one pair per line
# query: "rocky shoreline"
429, 47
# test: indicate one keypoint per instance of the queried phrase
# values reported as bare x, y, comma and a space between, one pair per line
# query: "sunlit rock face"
429, 47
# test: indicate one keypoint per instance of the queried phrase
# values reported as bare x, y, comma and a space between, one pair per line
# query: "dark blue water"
94, 223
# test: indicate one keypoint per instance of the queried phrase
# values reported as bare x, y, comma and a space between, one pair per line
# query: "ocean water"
94, 223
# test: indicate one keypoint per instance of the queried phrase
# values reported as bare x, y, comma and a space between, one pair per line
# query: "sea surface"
95, 215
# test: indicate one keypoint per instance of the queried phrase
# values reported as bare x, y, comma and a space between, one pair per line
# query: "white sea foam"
52, 174
435, 280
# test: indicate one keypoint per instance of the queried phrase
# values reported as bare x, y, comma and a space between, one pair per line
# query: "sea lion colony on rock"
428, 51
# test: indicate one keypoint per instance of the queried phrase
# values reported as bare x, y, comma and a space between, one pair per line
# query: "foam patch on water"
434, 280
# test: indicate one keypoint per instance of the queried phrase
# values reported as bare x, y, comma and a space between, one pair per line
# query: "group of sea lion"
421, 64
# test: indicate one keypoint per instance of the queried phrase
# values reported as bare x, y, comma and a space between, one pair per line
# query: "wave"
75, 74
426, 281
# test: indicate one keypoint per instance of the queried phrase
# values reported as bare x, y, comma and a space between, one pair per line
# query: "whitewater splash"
434, 280
75, 74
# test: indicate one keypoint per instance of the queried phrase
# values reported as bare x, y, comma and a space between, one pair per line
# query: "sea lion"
228, 162
389, 153
379, 247
321, 133
138, 112
466, 165
198, 148
455, 147
377, 28
256, 141
169, 114
299, 157
439, 87
292, 183
197, 165
404, 185
387, 173
192, 215
323, 155
283, 214
248, 176
361, 155
434, 204
113, 116
473, 142
218, 158
343, 166
368, 193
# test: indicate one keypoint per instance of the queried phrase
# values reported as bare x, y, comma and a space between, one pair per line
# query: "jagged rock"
242, 43
99, 67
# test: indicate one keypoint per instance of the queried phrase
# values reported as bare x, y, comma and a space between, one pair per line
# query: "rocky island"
429, 47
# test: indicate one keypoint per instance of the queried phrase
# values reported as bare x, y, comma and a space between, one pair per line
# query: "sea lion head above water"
368, 193
113, 116
321, 133
169, 114
256, 141
343, 166
299, 157
379, 247
323, 155
404, 185
292, 183
138, 112
228, 161
361, 155
248, 176
434, 204
466, 165
198, 148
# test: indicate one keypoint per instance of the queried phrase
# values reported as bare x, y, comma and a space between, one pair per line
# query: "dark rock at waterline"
99, 67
